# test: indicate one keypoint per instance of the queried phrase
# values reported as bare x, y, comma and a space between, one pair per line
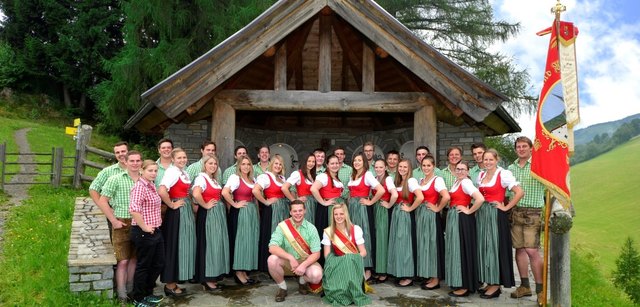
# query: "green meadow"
605, 193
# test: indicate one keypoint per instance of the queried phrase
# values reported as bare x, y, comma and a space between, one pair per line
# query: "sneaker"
143, 303
280, 295
153, 299
521, 292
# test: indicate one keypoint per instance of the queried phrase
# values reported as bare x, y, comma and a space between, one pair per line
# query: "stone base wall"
191, 136
91, 258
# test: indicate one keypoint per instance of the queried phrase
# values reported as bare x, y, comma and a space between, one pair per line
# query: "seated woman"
343, 269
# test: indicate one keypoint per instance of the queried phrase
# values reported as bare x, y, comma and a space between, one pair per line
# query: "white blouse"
324, 179
201, 181
357, 232
233, 183
507, 180
171, 176
369, 180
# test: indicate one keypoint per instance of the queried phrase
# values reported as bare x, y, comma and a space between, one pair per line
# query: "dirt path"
18, 192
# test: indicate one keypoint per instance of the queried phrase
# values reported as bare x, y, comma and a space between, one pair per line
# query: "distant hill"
585, 135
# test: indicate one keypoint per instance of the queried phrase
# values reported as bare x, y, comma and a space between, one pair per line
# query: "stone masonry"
91, 256
190, 136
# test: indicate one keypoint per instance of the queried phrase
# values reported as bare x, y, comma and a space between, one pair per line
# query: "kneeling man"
295, 249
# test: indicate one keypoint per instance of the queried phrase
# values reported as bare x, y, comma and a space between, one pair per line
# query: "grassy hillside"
585, 135
605, 195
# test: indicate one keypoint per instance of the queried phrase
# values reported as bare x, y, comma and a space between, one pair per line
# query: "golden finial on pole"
558, 8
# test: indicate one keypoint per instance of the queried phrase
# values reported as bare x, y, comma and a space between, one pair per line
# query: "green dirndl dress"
430, 245
245, 257
179, 232
310, 206
453, 269
279, 212
212, 256
343, 280
400, 262
382, 218
362, 216
487, 239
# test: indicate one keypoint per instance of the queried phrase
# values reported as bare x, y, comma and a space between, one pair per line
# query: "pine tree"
464, 31
627, 273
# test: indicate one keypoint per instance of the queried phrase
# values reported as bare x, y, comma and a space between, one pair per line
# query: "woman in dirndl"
178, 226
327, 190
274, 206
343, 270
360, 206
402, 234
302, 180
495, 256
461, 250
383, 219
243, 221
212, 239
429, 230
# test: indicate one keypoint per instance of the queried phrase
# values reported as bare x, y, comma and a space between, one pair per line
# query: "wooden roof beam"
253, 100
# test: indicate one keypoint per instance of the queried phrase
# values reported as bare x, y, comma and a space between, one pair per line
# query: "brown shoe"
280, 295
303, 288
521, 292
540, 298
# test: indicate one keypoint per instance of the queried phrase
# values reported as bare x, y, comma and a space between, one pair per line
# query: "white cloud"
608, 53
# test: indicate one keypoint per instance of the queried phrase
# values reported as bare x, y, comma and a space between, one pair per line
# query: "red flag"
550, 157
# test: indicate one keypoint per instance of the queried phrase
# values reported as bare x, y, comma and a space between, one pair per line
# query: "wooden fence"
82, 149
55, 160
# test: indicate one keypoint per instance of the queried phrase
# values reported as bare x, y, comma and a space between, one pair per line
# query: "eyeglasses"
461, 170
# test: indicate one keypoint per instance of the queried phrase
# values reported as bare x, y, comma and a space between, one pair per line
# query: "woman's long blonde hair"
347, 220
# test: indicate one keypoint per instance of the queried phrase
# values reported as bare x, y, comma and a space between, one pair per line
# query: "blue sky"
607, 50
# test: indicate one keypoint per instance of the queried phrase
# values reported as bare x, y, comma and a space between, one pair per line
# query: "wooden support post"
56, 169
560, 270
368, 69
280, 71
324, 55
223, 131
82, 140
425, 125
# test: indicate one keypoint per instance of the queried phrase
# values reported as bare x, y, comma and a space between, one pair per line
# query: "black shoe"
239, 282
208, 288
143, 303
173, 293
453, 294
425, 287
398, 284
495, 294
252, 281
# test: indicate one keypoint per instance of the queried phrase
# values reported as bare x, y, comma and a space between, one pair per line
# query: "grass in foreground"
33, 268
605, 195
589, 287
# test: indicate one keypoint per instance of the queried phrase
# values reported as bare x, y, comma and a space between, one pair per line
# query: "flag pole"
557, 9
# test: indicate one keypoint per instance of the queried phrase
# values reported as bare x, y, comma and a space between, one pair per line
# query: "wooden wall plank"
324, 54
280, 71
368, 69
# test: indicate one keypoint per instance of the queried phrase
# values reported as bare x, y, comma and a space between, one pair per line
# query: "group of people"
336, 228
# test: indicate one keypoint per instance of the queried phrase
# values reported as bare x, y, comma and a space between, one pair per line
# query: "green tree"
59, 45
162, 37
627, 273
464, 30
505, 146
